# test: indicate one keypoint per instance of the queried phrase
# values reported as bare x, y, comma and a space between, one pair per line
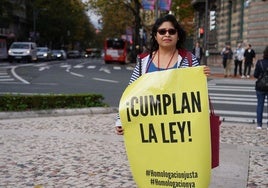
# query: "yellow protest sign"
165, 117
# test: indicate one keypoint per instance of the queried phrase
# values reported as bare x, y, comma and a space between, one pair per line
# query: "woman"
261, 66
166, 52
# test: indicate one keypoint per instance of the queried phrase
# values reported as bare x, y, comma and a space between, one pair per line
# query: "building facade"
236, 21
13, 19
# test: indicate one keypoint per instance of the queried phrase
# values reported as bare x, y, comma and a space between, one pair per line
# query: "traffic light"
212, 20
201, 32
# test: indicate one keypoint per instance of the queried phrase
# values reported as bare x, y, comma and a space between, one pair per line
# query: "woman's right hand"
206, 71
119, 130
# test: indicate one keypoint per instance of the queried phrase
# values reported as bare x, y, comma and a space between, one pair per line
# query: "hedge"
11, 102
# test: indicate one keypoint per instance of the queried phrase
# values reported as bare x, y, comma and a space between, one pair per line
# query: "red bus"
115, 50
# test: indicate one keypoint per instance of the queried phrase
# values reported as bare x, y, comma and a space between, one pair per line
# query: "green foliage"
185, 13
6, 11
65, 23
62, 23
116, 15
41, 102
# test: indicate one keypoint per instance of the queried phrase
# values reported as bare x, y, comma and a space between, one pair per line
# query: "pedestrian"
165, 52
198, 51
238, 59
261, 67
227, 56
249, 55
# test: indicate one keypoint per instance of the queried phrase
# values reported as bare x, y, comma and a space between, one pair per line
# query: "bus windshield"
116, 44
115, 50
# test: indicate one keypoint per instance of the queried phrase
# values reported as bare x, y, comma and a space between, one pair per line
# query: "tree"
6, 9
63, 24
117, 14
185, 13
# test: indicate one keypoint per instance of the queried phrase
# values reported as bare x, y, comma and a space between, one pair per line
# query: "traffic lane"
110, 91
57, 80
62, 72
81, 70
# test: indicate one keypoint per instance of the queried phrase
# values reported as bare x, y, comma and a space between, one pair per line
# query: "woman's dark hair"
265, 53
181, 32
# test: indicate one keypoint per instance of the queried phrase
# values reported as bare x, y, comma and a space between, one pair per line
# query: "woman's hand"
206, 70
119, 130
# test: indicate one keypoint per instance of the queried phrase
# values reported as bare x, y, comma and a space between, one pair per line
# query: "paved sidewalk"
218, 72
79, 149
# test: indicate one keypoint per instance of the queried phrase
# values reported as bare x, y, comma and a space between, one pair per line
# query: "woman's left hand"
206, 70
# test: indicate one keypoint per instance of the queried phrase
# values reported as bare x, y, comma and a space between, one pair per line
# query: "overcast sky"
93, 17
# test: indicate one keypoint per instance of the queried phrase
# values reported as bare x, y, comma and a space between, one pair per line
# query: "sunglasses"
164, 31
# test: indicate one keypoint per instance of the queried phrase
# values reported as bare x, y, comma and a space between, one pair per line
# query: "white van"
22, 51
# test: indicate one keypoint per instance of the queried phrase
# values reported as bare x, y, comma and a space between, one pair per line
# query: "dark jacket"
259, 69
249, 55
201, 52
228, 54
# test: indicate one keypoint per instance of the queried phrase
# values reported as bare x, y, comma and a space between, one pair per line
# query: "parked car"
22, 51
43, 54
73, 54
59, 54
93, 53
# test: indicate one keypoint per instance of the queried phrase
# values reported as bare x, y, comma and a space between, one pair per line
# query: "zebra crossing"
5, 77
234, 100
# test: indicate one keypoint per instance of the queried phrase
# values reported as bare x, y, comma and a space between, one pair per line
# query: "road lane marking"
91, 66
65, 66
4, 76
43, 68
17, 76
68, 68
116, 68
233, 95
130, 68
6, 79
76, 74
105, 69
105, 80
78, 66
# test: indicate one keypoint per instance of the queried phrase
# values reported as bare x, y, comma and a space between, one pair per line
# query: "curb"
88, 111
58, 112
220, 75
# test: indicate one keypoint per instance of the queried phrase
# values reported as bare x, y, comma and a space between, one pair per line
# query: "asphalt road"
71, 76
233, 98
